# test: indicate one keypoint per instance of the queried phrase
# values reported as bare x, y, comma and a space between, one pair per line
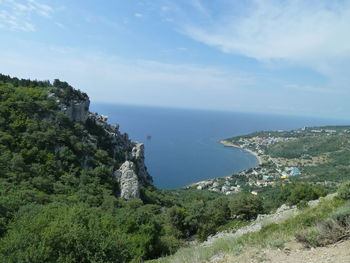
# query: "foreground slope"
325, 223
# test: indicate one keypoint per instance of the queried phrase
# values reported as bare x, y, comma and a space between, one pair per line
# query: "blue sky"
286, 57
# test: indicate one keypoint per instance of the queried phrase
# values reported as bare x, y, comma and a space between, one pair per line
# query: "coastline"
229, 144
204, 183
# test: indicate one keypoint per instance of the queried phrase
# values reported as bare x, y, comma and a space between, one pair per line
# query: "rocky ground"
292, 253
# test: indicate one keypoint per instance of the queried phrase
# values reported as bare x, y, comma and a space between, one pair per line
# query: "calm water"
184, 146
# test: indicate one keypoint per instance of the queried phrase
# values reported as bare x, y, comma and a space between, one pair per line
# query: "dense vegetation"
335, 149
310, 145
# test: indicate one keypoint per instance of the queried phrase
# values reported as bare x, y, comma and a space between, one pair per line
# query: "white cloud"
312, 35
17, 15
293, 30
42, 9
138, 15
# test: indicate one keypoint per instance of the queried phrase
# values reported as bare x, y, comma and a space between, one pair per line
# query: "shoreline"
229, 144
226, 144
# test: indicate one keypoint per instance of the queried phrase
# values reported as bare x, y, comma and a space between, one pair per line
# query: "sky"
286, 57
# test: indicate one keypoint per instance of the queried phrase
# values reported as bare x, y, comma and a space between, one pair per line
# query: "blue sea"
181, 145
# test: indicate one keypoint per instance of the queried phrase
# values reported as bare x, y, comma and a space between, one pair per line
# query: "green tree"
245, 206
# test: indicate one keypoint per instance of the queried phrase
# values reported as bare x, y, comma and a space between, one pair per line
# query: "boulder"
128, 179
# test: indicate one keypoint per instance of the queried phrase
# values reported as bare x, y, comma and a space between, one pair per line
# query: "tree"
245, 206
176, 218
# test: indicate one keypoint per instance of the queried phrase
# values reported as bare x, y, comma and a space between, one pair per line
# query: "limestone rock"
76, 110
133, 172
138, 154
128, 179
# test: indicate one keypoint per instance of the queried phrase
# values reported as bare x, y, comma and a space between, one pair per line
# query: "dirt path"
293, 253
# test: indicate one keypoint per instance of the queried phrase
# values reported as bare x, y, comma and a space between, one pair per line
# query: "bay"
181, 145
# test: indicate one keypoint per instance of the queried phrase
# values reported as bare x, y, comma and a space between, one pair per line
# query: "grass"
270, 236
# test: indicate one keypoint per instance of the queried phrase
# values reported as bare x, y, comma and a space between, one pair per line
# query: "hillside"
313, 158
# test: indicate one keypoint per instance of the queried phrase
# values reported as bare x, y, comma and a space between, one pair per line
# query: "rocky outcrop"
138, 155
128, 180
133, 172
76, 110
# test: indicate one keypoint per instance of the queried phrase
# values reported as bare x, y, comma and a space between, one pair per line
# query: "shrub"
329, 231
344, 191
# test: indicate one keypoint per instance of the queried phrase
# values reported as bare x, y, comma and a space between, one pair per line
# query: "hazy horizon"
346, 120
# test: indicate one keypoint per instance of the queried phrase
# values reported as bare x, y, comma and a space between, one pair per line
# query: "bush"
330, 231
344, 191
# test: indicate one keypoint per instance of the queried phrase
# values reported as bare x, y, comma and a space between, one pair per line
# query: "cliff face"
132, 173
76, 110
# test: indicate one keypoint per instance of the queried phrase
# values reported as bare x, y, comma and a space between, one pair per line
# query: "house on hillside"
290, 171
256, 192
261, 183
294, 171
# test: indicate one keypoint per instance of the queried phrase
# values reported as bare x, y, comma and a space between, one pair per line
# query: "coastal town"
270, 168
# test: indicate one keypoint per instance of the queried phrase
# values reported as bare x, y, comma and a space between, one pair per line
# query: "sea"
182, 145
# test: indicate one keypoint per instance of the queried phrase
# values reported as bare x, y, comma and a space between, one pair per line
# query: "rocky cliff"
76, 110
132, 173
